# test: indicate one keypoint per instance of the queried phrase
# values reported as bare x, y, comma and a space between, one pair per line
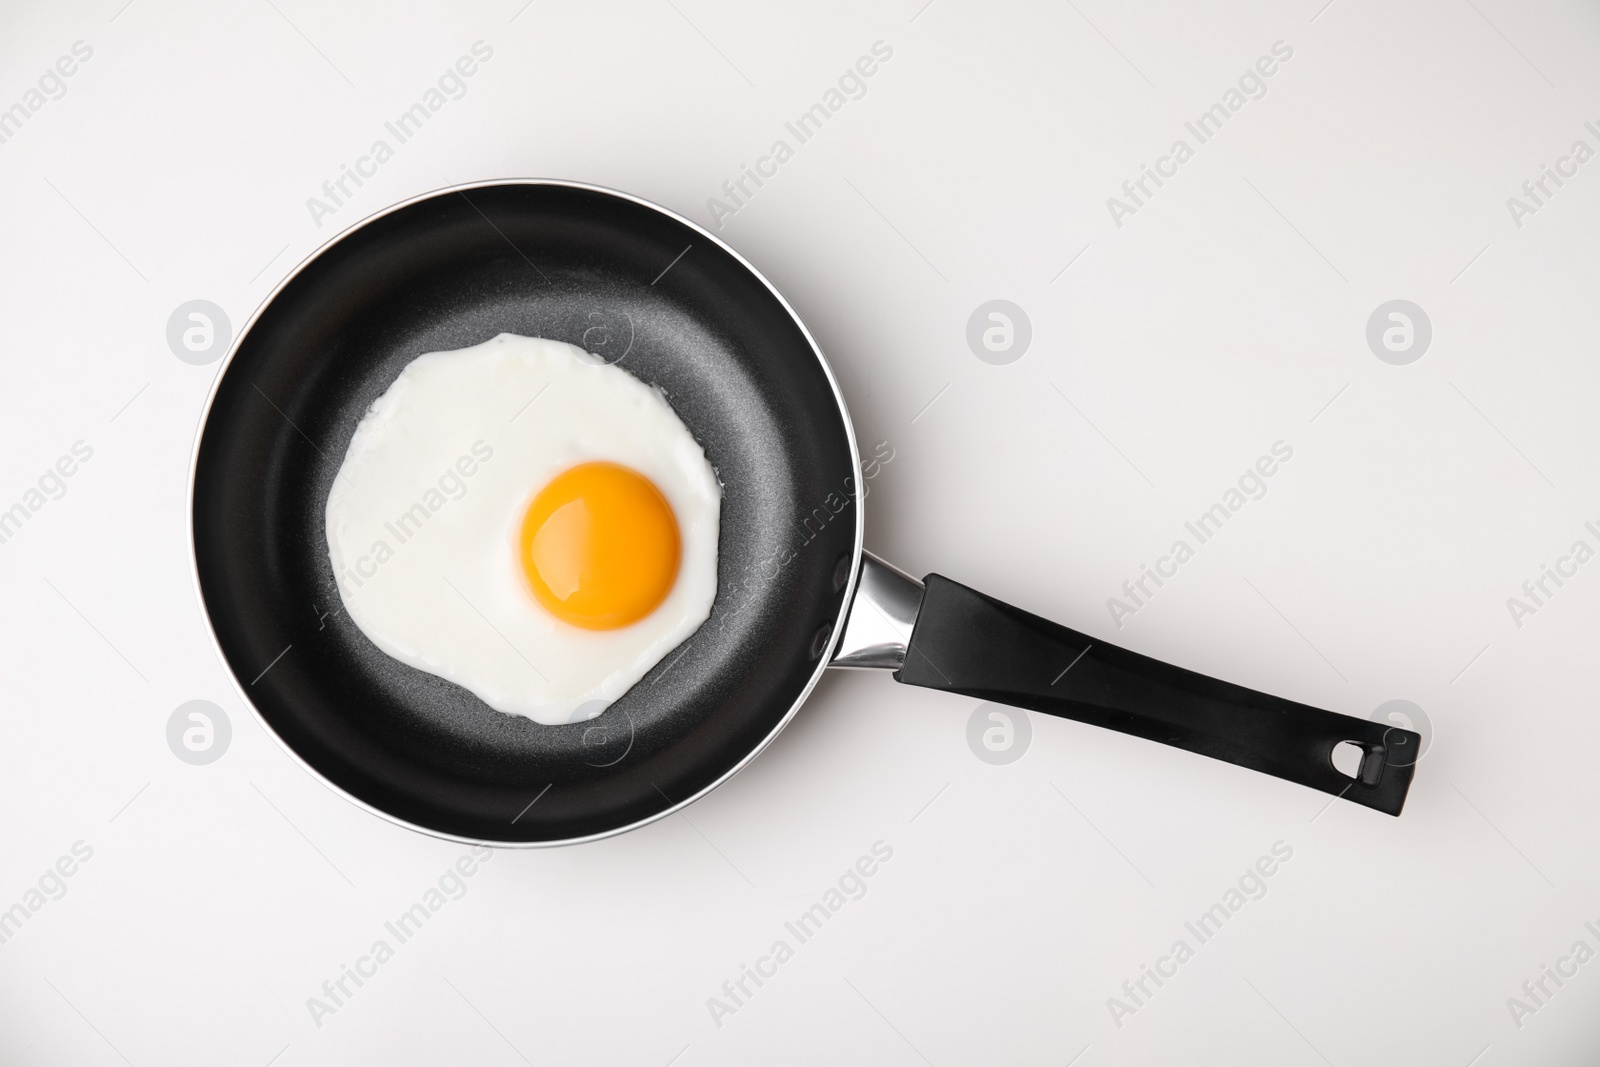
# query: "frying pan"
646, 289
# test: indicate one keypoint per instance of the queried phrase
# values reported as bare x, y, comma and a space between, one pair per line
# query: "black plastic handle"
965, 642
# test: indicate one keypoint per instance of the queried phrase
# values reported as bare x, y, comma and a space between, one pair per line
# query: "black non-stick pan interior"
452, 270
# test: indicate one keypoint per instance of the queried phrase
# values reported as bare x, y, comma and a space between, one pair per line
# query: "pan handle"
961, 641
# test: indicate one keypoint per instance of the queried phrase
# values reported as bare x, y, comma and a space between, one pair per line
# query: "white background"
1227, 314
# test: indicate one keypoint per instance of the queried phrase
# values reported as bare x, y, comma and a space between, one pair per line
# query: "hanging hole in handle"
1347, 758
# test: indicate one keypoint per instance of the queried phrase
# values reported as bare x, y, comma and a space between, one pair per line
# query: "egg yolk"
600, 546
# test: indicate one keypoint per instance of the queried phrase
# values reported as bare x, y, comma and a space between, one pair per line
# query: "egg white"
424, 516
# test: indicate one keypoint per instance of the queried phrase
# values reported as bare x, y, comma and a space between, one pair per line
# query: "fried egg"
528, 522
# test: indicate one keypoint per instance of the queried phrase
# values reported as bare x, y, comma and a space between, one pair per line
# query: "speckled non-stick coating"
453, 270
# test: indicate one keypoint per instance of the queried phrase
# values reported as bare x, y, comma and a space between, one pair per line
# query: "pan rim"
461, 187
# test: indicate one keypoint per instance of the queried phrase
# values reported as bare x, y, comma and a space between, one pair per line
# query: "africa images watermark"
52, 885
51, 486
852, 85
1537, 991
810, 526
851, 885
338, 991
1536, 192
1251, 885
452, 485
1538, 591
1252, 485
51, 85
451, 85
1252, 85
